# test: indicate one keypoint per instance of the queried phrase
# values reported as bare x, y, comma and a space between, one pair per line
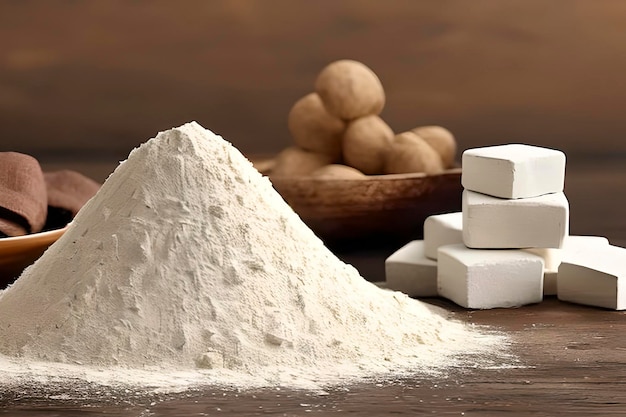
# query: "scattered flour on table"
188, 268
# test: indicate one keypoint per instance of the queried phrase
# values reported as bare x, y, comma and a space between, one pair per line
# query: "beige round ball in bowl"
314, 129
410, 153
365, 143
296, 162
338, 171
441, 140
349, 89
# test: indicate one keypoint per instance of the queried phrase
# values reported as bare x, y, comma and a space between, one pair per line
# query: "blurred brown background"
92, 80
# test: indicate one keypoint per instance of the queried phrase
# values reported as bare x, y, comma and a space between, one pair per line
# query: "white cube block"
513, 171
409, 271
596, 278
440, 230
484, 279
572, 246
491, 222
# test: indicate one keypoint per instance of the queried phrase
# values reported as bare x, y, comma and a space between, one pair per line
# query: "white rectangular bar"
513, 170
409, 271
483, 279
595, 278
572, 246
496, 223
440, 230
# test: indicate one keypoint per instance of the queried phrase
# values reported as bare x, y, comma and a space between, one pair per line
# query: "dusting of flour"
188, 268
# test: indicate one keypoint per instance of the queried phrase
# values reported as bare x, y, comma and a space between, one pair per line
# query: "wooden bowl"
377, 207
16, 253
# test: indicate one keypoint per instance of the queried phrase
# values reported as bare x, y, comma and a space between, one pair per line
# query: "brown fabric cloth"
23, 195
69, 190
10, 228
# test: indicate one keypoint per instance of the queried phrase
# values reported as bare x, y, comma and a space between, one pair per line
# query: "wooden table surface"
573, 358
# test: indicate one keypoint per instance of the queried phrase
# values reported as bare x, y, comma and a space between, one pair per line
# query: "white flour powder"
187, 262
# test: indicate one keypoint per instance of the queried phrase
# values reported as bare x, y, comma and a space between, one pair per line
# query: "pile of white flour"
187, 263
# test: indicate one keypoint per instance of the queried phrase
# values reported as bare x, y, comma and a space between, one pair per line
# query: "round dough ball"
365, 144
296, 162
410, 153
314, 129
264, 166
350, 90
338, 171
441, 140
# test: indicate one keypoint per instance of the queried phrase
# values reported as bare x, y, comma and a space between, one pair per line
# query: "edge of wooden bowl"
377, 206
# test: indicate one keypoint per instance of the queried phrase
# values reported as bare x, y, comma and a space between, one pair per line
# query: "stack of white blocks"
510, 244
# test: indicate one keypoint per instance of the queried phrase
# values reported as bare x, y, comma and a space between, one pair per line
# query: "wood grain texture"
374, 207
99, 78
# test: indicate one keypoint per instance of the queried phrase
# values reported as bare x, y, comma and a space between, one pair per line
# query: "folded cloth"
69, 190
23, 195
9, 227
